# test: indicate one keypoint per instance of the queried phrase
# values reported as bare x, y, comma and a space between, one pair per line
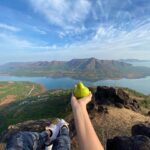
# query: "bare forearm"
86, 134
93, 141
87, 137
80, 127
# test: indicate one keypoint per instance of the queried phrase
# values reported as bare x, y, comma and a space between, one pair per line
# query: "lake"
141, 85
140, 63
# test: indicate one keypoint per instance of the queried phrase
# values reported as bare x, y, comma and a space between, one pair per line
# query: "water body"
140, 63
141, 85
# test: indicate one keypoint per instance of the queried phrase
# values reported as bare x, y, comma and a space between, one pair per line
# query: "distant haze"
62, 30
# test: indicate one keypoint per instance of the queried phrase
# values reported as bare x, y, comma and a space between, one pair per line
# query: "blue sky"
32, 30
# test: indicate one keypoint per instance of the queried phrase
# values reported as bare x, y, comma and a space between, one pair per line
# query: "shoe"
54, 129
49, 147
63, 123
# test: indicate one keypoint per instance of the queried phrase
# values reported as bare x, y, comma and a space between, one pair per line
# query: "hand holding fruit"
77, 93
80, 90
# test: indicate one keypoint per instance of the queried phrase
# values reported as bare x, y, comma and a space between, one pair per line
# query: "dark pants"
36, 141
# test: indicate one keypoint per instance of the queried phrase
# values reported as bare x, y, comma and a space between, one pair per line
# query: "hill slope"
87, 69
12, 90
108, 118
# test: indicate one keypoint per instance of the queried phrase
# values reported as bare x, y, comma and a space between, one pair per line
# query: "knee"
15, 141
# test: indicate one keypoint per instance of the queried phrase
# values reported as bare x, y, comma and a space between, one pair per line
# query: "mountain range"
87, 69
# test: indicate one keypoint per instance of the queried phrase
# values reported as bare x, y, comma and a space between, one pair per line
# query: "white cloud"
36, 29
138, 35
72, 32
113, 43
13, 42
107, 43
9, 27
63, 13
105, 29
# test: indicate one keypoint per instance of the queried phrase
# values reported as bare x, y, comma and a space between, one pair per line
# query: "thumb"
90, 95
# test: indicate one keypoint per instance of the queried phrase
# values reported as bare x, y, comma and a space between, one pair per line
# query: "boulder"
102, 109
138, 142
119, 105
141, 129
116, 97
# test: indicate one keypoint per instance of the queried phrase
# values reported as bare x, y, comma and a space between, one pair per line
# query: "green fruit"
80, 90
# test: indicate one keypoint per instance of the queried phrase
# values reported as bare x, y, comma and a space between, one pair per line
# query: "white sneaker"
64, 123
49, 147
55, 129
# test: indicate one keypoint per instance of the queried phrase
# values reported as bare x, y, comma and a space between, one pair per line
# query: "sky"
45, 30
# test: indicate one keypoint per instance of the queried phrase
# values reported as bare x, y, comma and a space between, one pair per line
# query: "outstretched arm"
86, 134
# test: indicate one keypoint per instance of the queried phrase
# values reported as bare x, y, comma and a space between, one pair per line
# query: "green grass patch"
145, 103
135, 93
47, 105
19, 90
144, 99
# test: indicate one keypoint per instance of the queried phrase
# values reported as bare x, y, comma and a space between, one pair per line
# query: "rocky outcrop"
141, 129
140, 139
138, 142
116, 97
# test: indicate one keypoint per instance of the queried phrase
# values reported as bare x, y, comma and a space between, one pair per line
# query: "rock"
105, 95
119, 143
90, 106
122, 97
102, 109
119, 105
141, 142
141, 129
148, 113
116, 97
138, 142
127, 107
135, 104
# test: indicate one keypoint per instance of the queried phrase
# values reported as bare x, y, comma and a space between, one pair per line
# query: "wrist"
76, 108
82, 105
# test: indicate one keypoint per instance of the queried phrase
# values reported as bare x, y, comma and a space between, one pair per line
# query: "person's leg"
37, 141
62, 142
27, 141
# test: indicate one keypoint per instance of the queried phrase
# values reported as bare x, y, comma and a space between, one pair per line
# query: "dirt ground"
7, 100
6, 85
2, 86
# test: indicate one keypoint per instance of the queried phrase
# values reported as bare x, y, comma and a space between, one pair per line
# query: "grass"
50, 104
144, 100
11, 94
47, 105
135, 93
18, 90
145, 103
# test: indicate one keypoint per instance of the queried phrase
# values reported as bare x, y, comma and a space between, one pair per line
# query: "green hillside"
47, 105
18, 90
50, 104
